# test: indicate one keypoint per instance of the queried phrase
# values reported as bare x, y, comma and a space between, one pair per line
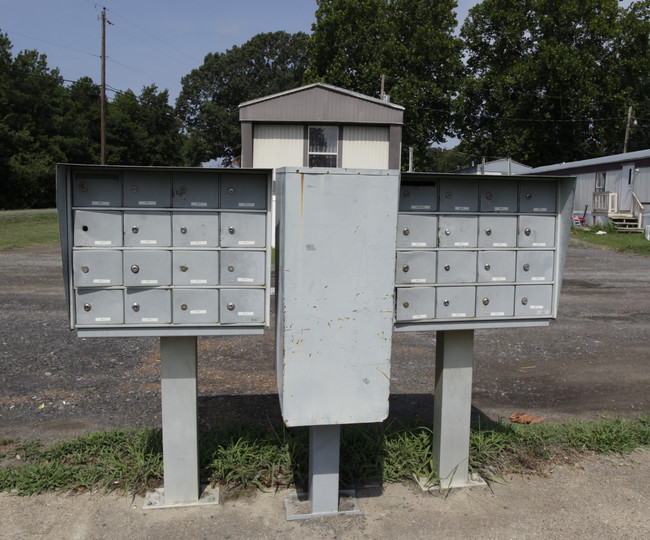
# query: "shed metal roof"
592, 164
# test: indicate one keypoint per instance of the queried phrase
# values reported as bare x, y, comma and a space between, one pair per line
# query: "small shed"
504, 166
320, 125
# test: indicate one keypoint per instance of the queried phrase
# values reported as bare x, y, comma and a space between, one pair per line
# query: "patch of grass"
620, 242
27, 229
243, 457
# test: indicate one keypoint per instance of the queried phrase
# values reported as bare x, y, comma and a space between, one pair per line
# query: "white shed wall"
365, 147
278, 145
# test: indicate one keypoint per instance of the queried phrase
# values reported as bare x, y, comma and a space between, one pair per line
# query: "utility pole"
627, 129
381, 92
102, 97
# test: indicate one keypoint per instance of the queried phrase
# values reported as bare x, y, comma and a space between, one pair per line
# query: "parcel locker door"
459, 195
240, 306
455, 302
147, 268
147, 229
97, 229
194, 306
418, 197
195, 268
195, 190
147, 306
97, 268
457, 231
417, 231
457, 267
536, 231
535, 266
147, 189
99, 307
195, 229
245, 192
498, 196
415, 267
242, 268
497, 231
243, 230
496, 266
96, 189
533, 300
495, 302
537, 196
415, 304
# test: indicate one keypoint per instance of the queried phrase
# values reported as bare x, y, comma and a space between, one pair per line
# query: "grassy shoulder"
26, 229
620, 242
241, 457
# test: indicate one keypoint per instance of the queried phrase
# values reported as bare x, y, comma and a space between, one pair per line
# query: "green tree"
411, 42
208, 103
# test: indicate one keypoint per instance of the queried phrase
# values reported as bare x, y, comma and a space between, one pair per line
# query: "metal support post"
324, 447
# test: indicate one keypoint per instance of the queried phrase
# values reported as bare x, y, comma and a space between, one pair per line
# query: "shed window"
323, 146
600, 181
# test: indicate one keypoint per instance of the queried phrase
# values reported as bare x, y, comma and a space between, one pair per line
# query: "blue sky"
150, 42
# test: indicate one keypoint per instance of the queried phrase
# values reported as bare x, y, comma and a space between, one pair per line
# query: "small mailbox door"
417, 231
192, 306
196, 268
457, 267
240, 306
455, 302
458, 195
192, 190
97, 190
195, 230
99, 307
415, 267
415, 303
418, 198
243, 192
497, 231
537, 196
147, 229
536, 231
97, 268
97, 229
498, 196
144, 189
241, 268
457, 231
147, 268
495, 301
147, 306
535, 266
533, 300
496, 266
243, 230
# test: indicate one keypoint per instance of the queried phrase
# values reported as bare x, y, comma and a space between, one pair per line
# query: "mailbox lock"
406, 231
448, 232
135, 229
231, 268
527, 231
488, 196
529, 196
486, 301
487, 267
524, 300
85, 269
445, 303
447, 268
181, 191
135, 306
134, 189
405, 268
488, 231
87, 307
184, 307
526, 267
135, 268
406, 305
448, 195
183, 230
183, 268
406, 194
231, 230
84, 228
84, 188
231, 191
230, 306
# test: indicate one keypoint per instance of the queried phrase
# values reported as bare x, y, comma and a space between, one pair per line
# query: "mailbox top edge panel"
416, 177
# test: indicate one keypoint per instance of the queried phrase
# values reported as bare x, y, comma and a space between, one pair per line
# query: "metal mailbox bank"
169, 252
475, 252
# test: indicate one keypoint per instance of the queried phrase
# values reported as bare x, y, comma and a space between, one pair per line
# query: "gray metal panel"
457, 267
146, 189
96, 189
242, 268
418, 198
536, 231
192, 229
495, 301
537, 196
195, 190
415, 303
194, 306
238, 306
458, 195
415, 267
498, 196
243, 230
457, 231
195, 268
497, 231
535, 266
417, 231
147, 268
147, 229
455, 302
97, 229
496, 266
147, 306
99, 307
533, 300
243, 192
97, 268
